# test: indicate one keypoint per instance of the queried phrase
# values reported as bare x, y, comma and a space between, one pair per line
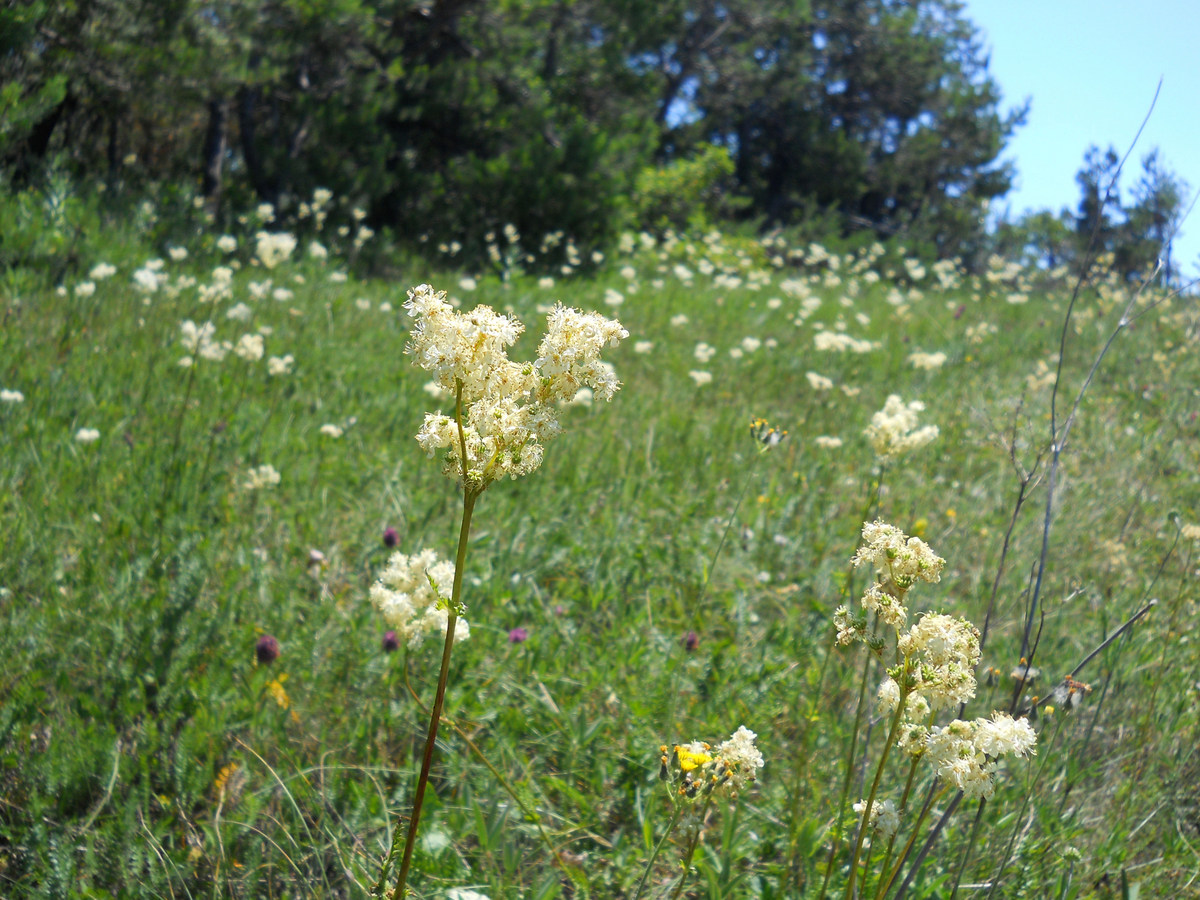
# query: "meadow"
209, 456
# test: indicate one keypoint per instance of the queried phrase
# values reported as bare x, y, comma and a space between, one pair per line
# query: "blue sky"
1090, 69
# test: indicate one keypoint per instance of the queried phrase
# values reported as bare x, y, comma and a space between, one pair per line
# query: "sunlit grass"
147, 753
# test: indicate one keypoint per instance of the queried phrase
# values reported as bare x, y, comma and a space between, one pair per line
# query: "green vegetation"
658, 580
453, 118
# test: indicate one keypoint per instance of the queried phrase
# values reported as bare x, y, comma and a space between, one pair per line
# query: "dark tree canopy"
455, 117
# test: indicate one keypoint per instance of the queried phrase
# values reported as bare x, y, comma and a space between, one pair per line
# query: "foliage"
1135, 235
687, 194
535, 113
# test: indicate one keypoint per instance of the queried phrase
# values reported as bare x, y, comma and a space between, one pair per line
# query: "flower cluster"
272, 248
696, 770
261, 477
894, 430
199, 339
509, 409
411, 595
884, 817
900, 562
904, 560
940, 653
934, 670
966, 754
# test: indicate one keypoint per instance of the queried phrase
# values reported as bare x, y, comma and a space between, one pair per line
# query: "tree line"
454, 118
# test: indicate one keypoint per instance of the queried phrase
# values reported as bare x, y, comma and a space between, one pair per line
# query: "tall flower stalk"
932, 669
504, 411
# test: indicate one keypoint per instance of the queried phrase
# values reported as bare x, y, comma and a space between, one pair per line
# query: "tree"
1138, 235
881, 109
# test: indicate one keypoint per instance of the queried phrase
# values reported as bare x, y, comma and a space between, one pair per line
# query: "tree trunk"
247, 100
215, 145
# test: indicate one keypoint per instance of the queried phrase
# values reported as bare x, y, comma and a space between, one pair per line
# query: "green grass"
144, 752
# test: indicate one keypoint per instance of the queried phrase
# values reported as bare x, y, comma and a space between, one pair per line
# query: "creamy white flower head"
260, 477
227, 243
700, 377
942, 653
1002, 735
193, 336
280, 365
884, 816
888, 695
458, 347
886, 605
827, 442
239, 312
894, 430
741, 759
928, 361
509, 408
412, 594
840, 342
569, 354
904, 560
215, 351
11, 396
273, 247
818, 382
330, 430
101, 271
951, 751
250, 347
87, 435
148, 279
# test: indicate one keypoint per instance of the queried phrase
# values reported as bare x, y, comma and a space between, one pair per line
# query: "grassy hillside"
658, 580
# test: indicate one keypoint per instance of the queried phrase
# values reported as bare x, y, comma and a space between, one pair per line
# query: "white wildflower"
413, 592
894, 429
272, 248
250, 347
261, 477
